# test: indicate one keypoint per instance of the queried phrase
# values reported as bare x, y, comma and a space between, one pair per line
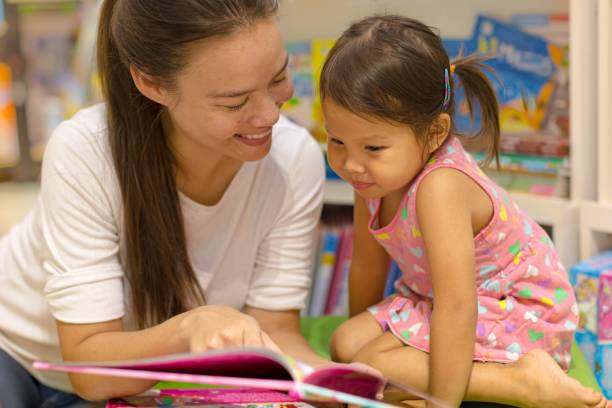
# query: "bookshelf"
596, 213
48, 47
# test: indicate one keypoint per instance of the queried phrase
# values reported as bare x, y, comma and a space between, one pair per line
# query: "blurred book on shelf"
50, 48
592, 282
2, 19
329, 293
9, 143
57, 76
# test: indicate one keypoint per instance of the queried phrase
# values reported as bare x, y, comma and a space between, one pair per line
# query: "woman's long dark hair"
155, 38
393, 68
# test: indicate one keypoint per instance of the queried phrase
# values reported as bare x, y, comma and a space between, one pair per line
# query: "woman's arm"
201, 329
444, 210
369, 266
284, 329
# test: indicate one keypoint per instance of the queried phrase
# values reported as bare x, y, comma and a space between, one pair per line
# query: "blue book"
394, 274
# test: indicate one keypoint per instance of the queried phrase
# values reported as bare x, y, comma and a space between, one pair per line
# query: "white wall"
305, 19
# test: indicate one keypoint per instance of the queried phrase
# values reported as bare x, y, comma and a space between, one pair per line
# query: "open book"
209, 398
246, 367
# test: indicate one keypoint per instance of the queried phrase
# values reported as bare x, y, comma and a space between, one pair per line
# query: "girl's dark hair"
156, 39
393, 68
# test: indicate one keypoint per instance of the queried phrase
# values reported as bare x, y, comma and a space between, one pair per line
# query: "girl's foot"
548, 386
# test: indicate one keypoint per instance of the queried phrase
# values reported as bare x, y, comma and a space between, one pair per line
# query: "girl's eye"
237, 107
335, 141
374, 148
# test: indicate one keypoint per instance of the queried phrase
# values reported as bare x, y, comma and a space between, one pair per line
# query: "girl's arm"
200, 329
445, 203
369, 266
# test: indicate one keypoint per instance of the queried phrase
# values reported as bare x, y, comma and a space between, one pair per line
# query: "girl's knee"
369, 356
343, 346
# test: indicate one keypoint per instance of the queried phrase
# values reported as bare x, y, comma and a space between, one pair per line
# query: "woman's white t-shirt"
65, 260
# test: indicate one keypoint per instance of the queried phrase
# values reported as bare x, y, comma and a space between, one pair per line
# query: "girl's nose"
353, 166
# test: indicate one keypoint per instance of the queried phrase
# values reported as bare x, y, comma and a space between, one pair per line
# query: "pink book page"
242, 367
209, 397
239, 362
347, 379
285, 385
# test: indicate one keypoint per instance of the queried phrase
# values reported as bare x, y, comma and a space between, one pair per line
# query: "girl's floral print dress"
525, 300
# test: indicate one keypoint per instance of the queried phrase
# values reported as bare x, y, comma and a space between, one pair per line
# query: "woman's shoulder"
80, 146
87, 126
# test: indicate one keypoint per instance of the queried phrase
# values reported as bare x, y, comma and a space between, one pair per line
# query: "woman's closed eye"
236, 107
375, 148
336, 141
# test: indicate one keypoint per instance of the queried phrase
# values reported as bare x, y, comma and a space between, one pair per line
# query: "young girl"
177, 216
481, 281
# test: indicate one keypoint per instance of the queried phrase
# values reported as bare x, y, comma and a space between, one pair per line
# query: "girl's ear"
149, 87
438, 131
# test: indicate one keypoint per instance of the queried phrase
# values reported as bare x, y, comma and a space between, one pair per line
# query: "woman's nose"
267, 112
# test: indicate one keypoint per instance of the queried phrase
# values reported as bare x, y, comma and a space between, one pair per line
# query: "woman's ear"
438, 131
149, 87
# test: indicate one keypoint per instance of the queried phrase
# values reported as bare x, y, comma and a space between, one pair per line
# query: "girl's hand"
214, 327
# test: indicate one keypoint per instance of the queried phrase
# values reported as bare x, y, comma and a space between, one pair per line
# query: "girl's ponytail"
480, 94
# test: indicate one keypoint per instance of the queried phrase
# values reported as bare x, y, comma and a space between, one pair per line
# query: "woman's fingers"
213, 327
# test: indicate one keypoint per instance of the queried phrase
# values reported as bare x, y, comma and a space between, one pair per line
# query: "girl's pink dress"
525, 300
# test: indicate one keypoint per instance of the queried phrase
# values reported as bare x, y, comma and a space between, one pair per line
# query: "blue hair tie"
447, 90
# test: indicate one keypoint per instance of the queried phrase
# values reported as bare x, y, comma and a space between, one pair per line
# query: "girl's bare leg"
352, 335
534, 381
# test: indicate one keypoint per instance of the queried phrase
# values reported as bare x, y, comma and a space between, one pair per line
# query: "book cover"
337, 299
524, 66
9, 143
324, 272
299, 107
394, 274
245, 367
210, 398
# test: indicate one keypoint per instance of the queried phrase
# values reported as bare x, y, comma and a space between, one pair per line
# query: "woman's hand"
215, 327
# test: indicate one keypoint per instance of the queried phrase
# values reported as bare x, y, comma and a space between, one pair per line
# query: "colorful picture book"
210, 398
245, 367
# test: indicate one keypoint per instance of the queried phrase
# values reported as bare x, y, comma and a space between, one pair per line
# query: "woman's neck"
205, 183
202, 174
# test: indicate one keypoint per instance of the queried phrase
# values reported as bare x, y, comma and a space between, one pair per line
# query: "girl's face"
376, 157
229, 95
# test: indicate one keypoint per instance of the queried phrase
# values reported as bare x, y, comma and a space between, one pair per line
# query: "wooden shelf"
595, 228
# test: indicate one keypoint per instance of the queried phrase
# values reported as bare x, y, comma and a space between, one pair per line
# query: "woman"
177, 216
